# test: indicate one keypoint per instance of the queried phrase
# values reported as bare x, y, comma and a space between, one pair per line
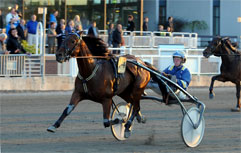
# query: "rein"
104, 57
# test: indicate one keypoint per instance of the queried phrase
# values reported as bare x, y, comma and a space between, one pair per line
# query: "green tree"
197, 25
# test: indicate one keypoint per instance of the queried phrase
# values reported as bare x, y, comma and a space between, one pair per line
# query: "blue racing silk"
182, 73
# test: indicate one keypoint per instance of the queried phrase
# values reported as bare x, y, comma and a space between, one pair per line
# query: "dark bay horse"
96, 78
231, 64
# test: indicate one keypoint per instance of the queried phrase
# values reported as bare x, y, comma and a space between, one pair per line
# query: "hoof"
127, 133
211, 95
116, 121
237, 109
106, 124
141, 119
51, 129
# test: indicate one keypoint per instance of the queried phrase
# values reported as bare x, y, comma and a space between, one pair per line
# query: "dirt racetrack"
25, 117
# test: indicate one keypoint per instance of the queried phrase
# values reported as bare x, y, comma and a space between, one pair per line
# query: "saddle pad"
121, 65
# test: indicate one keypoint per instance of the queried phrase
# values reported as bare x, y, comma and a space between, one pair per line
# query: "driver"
178, 73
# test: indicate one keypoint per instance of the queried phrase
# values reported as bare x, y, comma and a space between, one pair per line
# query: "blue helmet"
180, 54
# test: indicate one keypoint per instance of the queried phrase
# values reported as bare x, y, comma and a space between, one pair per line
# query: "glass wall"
117, 11
88, 10
31, 7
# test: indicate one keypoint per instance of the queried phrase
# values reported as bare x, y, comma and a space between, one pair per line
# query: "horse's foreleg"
73, 102
216, 77
238, 106
106, 105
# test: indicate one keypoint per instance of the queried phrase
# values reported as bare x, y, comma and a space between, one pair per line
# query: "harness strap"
84, 81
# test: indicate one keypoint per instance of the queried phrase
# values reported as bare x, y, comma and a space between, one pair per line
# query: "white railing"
155, 38
162, 58
22, 65
12, 65
39, 39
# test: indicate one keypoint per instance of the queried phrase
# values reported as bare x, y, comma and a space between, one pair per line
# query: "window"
216, 17
162, 12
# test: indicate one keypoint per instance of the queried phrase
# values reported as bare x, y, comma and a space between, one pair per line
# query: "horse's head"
213, 47
69, 47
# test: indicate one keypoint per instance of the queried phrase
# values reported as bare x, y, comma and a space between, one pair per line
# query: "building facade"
219, 16
206, 17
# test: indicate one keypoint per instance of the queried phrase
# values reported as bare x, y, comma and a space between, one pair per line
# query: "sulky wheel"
192, 137
123, 113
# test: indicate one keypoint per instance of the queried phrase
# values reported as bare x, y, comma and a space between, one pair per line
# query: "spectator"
169, 31
131, 24
93, 30
21, 29
84, 21
32, 29
70, 27
61, 36
3, 38
58, 27
110, 34
77, 20
145, 24
170, 24
117, 38
1, 20
12, 15
10, 25
17, 11
51, 38
161, 30
53, 17
13, 44
78, 28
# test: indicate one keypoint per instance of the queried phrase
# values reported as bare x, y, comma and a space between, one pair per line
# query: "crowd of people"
17, 29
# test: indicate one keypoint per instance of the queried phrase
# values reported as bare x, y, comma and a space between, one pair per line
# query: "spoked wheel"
122, 112
192, 137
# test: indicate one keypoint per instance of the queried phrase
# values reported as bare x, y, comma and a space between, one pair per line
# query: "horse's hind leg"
135, 101
73, 102
238, 106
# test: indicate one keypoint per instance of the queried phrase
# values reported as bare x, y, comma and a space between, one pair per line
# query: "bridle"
68, 52
213, 48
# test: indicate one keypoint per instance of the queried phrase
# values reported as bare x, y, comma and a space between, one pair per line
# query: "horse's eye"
73, 42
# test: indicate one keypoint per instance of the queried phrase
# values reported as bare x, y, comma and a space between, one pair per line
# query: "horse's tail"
150, 66
155, 78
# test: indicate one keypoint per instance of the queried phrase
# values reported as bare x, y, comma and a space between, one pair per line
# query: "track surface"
25, 117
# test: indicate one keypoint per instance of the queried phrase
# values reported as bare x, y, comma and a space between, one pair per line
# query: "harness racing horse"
231, 64
96, 78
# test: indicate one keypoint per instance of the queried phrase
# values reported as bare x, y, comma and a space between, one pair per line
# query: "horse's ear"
80, 33
225, 38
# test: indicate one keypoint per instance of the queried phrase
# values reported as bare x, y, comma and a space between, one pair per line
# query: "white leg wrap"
70, 108
105, 120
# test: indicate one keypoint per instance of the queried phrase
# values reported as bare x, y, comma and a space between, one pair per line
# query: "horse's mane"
96, 46
229, 44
